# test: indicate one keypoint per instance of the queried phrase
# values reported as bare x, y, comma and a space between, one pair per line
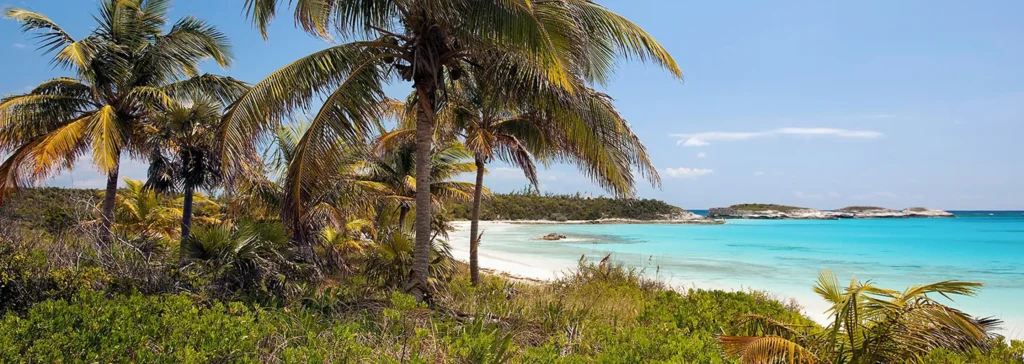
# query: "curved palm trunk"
417, 285
107, 209
403, 212
474, 224
186, 217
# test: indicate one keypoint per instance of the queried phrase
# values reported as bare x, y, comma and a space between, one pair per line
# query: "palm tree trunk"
417, 285
107, 209
186, 217
474, 224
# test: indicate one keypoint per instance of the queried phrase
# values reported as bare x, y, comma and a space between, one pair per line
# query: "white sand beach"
531, 267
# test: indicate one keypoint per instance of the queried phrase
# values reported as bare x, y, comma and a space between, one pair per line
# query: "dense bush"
526, 206
52, 209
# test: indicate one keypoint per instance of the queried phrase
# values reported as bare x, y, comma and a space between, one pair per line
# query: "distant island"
567, 209
782, 212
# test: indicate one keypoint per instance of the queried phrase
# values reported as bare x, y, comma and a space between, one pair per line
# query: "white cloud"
701, 155
684, 172
882, 116
758, 173
18, 45
705, 138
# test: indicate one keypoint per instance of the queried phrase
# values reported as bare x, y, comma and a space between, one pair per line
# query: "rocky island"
782, 212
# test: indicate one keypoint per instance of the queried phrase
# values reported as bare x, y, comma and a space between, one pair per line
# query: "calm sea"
784, 257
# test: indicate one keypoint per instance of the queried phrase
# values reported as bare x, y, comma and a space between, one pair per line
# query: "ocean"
785, 256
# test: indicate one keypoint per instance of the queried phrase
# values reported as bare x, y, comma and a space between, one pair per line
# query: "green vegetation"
52, 209
764, 207
531, 206
307, 256
870, 325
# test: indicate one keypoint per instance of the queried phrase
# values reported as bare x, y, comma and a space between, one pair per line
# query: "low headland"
532, 208
783, 212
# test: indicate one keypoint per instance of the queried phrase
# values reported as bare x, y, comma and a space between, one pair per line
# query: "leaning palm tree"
517, 129
869, 325
127, 65
570, 42
183, 156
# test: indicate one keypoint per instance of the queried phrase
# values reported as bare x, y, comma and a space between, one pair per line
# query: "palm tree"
128, 65
569, 43
183, 153
394, 168
517, 130
869, 325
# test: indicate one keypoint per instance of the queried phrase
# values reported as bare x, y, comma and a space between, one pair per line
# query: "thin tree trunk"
186, 218
474, 224
403, 212
107, 209
417, 285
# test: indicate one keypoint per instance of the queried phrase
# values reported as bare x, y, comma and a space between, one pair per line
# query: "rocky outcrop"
926, 212
777, 212
553, 237
772, 212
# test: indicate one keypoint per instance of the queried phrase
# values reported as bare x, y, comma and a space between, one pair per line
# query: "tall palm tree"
128, 65
183, 156
869, 324
517, 129
571, 43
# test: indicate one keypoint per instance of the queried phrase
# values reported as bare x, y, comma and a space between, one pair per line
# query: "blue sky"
821, 104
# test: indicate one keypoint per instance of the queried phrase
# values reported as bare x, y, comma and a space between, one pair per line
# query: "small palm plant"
390, 259
869, 325
142, 212
246, 255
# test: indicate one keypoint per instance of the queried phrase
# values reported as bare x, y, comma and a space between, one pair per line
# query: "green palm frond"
292, 88
51, 36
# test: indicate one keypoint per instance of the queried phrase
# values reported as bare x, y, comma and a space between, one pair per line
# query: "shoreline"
551, 260
615, 221
542, 270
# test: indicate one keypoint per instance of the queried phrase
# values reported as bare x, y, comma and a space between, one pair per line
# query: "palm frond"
108, 137
765, 349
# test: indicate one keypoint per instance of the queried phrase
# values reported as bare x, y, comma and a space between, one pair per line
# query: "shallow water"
784, 257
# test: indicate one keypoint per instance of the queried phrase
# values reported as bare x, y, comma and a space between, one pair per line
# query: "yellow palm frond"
107, 139
766, 349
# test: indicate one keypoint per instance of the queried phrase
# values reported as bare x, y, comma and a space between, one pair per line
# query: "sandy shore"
533, 269
549, 260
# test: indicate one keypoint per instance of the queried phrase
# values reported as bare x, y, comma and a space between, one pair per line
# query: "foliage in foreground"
869, 324
598, 313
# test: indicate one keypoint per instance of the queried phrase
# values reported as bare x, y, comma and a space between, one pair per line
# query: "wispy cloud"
691, 173
701, 155
705, 138
18, 45
881, 116
758, 173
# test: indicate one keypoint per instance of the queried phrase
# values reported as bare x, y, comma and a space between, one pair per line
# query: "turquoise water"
785, 256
